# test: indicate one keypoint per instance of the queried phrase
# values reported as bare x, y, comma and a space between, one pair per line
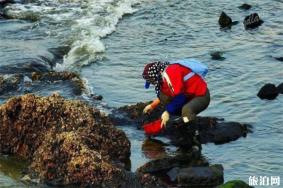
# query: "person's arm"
155, 103
151, 106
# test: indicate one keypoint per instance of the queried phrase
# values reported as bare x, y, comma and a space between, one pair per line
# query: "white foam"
88, 46
79, 23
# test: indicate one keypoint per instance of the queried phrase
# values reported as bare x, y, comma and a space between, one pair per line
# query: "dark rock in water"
40, 81
224, 132
10, 83
252, 21
279, 58
211, 129
217, 56
166, 163
201, 176
96, 97
235, 184
66, 141
224, 20
50, 77
268, 91
182, 171
245, 6
214, 132
163, 172
54, 76
280, 88
23, 68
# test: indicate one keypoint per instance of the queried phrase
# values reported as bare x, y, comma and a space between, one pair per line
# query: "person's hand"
164, 117
147, 109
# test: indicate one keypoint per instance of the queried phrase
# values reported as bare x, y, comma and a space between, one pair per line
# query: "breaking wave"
80, 24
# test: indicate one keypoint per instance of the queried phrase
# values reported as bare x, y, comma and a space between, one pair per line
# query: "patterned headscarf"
152, 74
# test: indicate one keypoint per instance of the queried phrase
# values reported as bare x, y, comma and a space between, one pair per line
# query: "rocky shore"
67, 142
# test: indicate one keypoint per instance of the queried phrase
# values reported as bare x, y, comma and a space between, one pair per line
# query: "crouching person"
180, 87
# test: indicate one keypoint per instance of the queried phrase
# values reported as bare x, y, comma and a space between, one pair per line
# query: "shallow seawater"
168, 30
179, 29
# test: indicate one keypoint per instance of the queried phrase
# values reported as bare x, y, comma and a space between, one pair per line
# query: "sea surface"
108, 43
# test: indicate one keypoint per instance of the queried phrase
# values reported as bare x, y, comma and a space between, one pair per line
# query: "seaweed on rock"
66, 141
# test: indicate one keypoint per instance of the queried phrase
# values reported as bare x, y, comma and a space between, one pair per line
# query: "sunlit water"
169, 30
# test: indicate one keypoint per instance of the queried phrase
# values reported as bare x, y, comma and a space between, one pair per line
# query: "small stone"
97, 97
245, 6
217, 56
268, 91
224, 20
252, 21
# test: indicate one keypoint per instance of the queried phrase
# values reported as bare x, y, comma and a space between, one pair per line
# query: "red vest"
175, 82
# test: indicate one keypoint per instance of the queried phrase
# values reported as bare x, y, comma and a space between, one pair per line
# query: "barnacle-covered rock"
42, 82
53, 76
69, 159
66, 141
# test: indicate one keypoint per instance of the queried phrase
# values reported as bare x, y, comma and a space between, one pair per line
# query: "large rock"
201, 176
182, 170
66, 142
163, 172
268, 91
78, 158
252, 21
211, 129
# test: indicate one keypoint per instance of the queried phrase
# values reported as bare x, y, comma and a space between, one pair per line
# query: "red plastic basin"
152, 128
